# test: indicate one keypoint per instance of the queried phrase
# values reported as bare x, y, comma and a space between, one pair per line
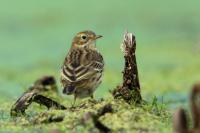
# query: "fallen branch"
49, 103
33, 95
130, 89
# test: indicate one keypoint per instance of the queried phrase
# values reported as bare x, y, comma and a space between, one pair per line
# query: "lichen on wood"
130, 89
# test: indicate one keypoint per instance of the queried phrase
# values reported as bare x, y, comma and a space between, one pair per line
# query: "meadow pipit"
83, 66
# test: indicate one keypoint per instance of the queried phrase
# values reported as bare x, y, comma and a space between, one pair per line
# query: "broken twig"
33, 94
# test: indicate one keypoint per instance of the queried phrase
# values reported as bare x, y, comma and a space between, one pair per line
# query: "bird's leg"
92, 99
73, 104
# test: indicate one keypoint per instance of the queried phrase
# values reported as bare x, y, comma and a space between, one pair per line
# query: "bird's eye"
83, 37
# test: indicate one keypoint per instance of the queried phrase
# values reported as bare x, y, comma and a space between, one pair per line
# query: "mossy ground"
149, 117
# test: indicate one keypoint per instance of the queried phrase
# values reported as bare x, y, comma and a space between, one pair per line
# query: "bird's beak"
98, 36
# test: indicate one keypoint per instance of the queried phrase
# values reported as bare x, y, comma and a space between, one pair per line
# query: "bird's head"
85, 39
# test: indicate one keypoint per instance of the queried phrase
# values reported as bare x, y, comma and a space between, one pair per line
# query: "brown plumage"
83, 66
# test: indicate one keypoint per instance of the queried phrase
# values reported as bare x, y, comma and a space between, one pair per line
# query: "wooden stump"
130, 89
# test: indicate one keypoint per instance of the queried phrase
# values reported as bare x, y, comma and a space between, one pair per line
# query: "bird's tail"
69, 89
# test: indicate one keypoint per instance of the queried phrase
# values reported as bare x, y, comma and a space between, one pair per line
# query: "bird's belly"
88, 87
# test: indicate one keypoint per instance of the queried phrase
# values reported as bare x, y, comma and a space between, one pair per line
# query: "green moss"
152, 117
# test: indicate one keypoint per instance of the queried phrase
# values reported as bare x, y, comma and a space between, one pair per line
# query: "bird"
82, 70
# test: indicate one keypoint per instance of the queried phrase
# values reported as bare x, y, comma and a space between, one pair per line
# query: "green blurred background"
36, 35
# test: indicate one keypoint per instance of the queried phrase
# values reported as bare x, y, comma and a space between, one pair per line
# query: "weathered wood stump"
130, 89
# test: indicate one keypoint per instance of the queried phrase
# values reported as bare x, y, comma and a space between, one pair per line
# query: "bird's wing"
79, 66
